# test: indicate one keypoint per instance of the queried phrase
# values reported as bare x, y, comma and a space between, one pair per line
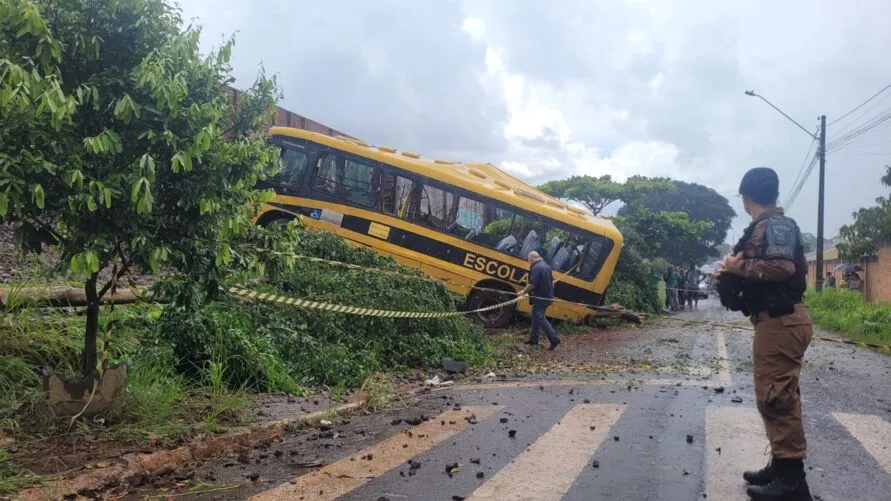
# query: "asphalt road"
685, 430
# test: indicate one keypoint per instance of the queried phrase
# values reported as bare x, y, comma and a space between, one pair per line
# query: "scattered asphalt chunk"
616, 438
452, 469
480, 475
396, 422
719, 389
415, 421
512, 433
503, 420
475, 460
595, 464
689, 439
736, 400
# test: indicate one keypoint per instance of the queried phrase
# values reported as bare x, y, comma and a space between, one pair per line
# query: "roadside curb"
131, 466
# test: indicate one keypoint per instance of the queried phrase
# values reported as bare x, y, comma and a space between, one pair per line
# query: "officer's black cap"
761, 184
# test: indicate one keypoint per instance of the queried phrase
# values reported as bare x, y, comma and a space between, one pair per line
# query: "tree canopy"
701, 204
120, 148
870, 229
598, 193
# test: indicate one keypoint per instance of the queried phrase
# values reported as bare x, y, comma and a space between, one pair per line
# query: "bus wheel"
496, 318
278, 223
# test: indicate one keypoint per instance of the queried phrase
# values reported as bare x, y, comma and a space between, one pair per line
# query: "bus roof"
470, 176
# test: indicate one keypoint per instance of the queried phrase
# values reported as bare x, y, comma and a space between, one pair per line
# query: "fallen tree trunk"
60, 296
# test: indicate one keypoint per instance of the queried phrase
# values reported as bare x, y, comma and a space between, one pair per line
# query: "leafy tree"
870, 229
700, 203
121, 149
598, 193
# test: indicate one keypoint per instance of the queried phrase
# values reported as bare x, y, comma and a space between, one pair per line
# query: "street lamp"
818, 272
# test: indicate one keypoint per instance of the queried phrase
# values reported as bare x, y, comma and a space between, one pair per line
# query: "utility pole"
819, 272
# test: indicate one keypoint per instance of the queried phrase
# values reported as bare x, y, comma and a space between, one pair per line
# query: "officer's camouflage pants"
778, 349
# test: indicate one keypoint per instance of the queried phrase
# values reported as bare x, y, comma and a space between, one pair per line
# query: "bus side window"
294, 164
496, 231
592, 259
359, 183
395, 195
346, 179
435, 208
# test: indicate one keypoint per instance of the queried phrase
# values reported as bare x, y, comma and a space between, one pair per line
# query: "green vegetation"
849, 313
660, 221
276, 347
196, 364
120, 148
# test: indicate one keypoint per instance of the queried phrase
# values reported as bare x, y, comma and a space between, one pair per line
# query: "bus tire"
493, 318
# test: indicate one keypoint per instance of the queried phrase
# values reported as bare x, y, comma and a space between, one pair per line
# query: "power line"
794, 194
863, 129
861, 105
803, 163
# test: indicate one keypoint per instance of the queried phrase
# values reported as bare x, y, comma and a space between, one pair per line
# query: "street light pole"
818, 272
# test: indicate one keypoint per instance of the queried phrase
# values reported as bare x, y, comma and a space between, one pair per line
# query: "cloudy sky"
620, 87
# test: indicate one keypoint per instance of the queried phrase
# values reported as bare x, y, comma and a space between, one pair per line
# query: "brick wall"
288, 118
876, 274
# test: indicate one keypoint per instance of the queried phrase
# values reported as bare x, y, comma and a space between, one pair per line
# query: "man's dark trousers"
539, 320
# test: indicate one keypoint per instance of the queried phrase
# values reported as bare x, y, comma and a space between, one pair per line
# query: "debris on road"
596, 464
453, 366
689, 439
512, 433
452, 469
736, 400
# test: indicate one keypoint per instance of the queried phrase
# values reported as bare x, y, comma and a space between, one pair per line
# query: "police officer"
769, 271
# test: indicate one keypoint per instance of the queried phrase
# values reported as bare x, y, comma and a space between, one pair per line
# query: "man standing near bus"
541, 284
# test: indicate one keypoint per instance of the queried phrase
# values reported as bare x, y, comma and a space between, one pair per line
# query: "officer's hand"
731, 263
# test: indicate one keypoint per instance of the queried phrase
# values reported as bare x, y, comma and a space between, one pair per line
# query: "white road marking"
546, 470
723, 361
735, 442
873, 432
352, 472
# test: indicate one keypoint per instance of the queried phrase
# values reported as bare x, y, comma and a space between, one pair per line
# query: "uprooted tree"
121, 149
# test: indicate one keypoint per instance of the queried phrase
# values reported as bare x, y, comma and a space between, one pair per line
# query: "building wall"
876, 274
287, 118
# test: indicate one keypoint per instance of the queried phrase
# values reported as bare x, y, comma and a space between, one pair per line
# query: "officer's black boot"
789, 484
763, 476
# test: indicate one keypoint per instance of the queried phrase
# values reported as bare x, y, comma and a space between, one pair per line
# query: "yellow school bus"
469, 224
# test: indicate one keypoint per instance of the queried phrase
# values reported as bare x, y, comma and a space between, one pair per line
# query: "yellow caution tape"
355, 310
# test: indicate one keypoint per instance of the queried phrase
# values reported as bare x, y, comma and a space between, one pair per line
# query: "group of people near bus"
681, 287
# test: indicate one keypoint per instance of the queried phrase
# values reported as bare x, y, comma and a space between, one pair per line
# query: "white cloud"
614, 86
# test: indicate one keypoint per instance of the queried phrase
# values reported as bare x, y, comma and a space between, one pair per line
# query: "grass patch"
849, 313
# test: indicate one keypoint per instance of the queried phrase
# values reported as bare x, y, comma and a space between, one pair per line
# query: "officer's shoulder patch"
780, 237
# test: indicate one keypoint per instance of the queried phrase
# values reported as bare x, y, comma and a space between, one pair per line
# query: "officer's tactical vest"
756, 296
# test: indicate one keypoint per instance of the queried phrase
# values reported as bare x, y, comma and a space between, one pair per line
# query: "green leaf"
37, 195
91, 204
4, 204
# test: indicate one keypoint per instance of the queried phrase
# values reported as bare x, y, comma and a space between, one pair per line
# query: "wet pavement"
663, 412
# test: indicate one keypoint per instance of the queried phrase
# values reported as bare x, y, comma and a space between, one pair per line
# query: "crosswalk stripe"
352, 472
548, 468
735, 441
873, 432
